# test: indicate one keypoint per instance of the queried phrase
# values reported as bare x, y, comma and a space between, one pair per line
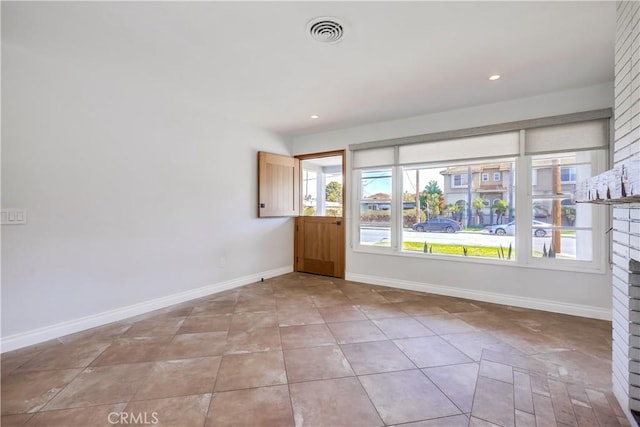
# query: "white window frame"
599, 218
399, 229
499, 175
523, 181
485, 176
357, 246
570, 181
523, 235
462, 176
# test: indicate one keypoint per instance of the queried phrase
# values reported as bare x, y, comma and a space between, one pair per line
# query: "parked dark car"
438, 224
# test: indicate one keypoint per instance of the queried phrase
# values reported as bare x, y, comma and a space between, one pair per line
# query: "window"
462, 227
322, 186
309, 192
562, 229
568, 175
375, 207
454, 212
459, 181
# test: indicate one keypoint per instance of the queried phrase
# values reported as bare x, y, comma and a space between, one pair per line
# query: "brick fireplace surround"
626, 217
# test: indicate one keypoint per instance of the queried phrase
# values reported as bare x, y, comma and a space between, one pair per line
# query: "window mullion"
396, 203
523, 210
356, 193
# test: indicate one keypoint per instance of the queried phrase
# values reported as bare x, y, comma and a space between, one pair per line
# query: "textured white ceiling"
253, 61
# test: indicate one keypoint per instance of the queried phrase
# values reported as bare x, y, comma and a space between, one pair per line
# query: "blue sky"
380, 181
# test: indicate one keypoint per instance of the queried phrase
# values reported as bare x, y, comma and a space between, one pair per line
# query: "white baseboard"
16, 341
513, 300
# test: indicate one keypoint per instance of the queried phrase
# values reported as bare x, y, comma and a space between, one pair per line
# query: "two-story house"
490, 181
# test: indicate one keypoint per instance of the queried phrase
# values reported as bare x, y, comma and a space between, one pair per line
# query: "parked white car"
539, 228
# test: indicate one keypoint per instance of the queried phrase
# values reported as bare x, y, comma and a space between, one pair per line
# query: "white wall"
570, 292
133, 193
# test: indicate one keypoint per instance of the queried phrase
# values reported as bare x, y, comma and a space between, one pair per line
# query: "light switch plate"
13, 216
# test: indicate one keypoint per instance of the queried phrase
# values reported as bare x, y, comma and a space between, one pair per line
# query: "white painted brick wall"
626, 218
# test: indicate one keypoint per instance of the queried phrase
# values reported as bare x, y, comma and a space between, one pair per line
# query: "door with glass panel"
320, 228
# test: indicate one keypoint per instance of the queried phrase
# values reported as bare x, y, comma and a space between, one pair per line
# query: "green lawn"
442, 248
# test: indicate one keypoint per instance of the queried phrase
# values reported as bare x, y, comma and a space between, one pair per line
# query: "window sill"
535, 264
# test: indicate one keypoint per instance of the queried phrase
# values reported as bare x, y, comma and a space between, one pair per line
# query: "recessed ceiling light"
315, 116
494, 77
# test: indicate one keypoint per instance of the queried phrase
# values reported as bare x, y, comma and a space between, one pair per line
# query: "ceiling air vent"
325, 29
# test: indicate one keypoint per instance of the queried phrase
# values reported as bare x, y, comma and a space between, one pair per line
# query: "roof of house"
485, 167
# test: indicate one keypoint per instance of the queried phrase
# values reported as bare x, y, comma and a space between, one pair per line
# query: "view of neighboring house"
493, 183
490, 181
382, 202
542, 180
376, 202
554, 182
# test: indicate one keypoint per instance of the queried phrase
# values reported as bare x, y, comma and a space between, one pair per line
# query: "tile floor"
314, 351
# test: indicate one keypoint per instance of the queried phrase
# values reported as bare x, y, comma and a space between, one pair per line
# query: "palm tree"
430, 198
500, 207
478, 205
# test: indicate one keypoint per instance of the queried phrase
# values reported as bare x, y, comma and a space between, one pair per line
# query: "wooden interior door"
319, 245
319, 241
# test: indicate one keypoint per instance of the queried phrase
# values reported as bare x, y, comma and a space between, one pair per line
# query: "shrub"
570, 214
376, 217
409, 217
383, 217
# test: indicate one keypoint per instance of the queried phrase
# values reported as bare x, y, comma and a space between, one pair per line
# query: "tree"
432, 203
408, 197
334, 192
453, 210
456, 210
500, 207
432, 199
478, 205
432, 187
